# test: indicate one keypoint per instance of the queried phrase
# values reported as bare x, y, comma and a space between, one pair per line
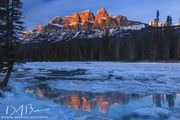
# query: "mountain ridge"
84, 36
81, 25
87, 21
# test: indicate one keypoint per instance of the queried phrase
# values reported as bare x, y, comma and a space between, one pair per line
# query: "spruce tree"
2, 21
169, 20
10, 29
157, 16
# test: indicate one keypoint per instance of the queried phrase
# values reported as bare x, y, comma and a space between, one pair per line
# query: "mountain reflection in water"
103, 101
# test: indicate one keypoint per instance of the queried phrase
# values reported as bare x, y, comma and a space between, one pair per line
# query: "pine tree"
15, 20
157, 16
2, 21
169, 20
11, 27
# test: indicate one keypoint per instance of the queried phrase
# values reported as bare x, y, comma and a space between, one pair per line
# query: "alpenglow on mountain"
86, 21
85, 36
81, 25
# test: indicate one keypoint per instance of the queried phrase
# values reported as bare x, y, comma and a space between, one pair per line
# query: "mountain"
101, 37
87, 21
105, 21
81, 25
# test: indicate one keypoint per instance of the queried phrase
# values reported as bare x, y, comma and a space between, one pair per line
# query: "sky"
42, 11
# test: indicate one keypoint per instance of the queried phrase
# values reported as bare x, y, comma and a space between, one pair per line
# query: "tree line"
151, 43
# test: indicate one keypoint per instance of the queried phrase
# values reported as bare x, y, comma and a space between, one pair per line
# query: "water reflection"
103, 101
160, 99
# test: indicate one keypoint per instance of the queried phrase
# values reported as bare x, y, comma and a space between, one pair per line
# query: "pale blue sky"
41, 11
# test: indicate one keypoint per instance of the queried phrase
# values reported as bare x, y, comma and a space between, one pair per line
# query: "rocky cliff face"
87, 16
79, 21
82, 25
101, 18
53, 27
86, 21
121, 20
57, 20
39, 28
72, 22
106, 21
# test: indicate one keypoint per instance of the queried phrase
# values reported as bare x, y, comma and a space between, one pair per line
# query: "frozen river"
93, 91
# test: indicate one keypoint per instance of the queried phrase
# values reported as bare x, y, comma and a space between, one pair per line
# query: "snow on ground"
96, 90
122, 77
134, 27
